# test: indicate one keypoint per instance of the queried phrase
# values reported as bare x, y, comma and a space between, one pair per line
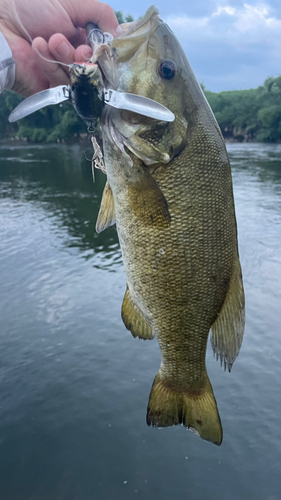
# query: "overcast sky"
230, 44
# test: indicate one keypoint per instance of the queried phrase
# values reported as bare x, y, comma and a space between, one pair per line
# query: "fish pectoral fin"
228, 328
134, 320
169, 405
147, 201
106, 215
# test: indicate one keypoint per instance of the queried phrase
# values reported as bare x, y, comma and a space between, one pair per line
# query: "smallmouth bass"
169, 190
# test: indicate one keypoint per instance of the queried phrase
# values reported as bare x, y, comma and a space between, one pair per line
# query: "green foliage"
270, 112
32, 134
51, 124
253, 114
121, 19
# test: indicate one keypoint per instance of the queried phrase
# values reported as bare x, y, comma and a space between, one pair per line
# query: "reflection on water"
57, 181
75, 384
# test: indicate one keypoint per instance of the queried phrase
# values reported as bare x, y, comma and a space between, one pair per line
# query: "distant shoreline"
86, 140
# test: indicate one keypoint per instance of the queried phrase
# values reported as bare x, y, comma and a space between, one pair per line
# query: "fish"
169, 191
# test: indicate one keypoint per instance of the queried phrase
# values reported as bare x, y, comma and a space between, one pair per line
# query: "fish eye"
167, 70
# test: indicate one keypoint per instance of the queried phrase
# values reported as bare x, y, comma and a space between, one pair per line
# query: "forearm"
7, 65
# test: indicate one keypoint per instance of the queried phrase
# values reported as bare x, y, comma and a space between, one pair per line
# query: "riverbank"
85, 139
252, 115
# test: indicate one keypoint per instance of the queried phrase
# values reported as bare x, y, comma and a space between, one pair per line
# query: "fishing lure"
87, 92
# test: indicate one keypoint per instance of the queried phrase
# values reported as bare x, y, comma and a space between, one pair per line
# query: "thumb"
93, 11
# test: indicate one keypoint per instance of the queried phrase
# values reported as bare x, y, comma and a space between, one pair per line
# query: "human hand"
56, 28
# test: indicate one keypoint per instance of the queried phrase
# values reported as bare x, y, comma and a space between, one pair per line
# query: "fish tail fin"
168, 406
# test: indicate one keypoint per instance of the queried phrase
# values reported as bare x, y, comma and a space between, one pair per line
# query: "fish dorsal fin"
228, 328
134, 319
106, 215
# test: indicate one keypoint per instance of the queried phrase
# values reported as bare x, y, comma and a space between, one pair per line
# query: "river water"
74, 383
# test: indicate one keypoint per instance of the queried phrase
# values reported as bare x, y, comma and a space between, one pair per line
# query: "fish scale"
176, 226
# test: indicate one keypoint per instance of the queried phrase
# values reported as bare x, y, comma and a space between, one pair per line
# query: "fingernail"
63, 49
119, 31
42, 48
87, 53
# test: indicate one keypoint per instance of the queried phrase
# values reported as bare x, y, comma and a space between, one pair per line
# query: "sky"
230, 44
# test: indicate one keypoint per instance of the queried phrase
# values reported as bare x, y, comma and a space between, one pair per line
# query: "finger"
93, 11
61, 49
83, 53
49, 67
29, 77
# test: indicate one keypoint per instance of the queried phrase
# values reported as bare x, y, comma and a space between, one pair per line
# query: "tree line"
243, 115
249, 115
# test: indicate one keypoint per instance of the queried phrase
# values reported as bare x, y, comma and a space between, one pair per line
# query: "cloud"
250, 23
245, 39
231, 44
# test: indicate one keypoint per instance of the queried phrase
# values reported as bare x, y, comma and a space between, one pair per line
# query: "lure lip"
138, 104
54, 95
119, 100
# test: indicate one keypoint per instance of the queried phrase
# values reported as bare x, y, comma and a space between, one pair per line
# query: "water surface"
74, 383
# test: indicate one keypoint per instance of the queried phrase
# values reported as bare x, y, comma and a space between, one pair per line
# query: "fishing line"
30, 39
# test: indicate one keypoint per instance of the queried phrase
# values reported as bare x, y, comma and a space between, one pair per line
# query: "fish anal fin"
168, 406
134, 319
106, 215
228, 328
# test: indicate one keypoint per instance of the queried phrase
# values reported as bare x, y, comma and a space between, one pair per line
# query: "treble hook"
96, 36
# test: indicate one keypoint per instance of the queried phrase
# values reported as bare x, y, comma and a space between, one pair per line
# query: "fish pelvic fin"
134, 320
228, 328
169, 406
106, 215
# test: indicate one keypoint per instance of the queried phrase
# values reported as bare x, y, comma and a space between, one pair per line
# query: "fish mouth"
101, 69
136, 32
123, 48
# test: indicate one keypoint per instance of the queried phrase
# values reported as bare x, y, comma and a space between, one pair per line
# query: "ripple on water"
69, 368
